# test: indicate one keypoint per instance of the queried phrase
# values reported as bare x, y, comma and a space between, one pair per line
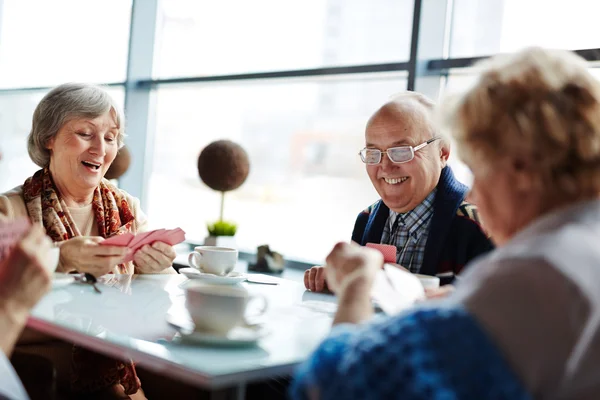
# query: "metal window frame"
427, 68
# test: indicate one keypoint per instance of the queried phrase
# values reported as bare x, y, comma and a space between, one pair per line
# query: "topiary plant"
223, 166
222, 228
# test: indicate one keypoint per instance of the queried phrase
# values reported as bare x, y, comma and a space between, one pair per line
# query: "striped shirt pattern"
408, 232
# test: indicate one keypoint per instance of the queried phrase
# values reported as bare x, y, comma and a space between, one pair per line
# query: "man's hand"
155, 258
84, 254
314, 279
24, 279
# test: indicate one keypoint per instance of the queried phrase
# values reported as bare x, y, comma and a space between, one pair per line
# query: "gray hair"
63, 104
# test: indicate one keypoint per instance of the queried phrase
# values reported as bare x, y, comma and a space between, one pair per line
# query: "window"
487, 27
16, 110
45, 43
306, 184
206, 37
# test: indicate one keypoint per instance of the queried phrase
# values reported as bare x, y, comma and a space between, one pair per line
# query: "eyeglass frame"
413, 150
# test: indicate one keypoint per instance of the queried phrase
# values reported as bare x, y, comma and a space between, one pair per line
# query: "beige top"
13, 206
538, 297
84, 219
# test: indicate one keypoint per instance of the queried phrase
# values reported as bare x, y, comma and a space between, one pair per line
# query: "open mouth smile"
395, 181
91, 165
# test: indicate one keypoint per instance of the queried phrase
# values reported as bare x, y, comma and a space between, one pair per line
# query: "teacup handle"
194, 260
263, 308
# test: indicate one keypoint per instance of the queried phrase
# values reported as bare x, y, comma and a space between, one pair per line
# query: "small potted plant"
223, 166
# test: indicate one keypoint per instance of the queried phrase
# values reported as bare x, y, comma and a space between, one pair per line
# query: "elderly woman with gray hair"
76, 132
524, 321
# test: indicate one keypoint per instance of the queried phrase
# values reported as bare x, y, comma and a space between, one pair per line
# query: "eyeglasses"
397, 155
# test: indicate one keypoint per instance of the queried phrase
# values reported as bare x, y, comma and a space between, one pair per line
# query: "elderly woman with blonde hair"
524, 321
76, 132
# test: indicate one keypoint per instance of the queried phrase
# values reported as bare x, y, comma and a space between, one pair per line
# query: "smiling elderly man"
422, 210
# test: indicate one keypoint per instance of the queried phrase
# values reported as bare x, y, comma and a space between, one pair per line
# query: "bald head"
406, 120
412, 110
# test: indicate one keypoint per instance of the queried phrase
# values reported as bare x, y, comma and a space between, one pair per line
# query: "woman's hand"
398, 266
154, 258
24, 276
84, 254
24, 279
348, 262
350, 272
439, 293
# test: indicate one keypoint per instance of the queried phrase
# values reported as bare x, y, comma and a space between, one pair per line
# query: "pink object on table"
11, 231
388, 251
136, 242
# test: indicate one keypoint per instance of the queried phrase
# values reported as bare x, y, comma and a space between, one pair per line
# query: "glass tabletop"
129, 319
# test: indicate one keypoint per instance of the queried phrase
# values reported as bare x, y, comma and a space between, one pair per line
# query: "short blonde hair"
539, 106
63, 104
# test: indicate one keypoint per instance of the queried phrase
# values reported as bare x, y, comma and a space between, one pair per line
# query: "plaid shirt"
408, 232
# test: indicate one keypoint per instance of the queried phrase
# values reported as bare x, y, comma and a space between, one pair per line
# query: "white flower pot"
221, 241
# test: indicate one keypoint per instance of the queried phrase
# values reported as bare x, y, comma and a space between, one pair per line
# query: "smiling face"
404, 123
81, 153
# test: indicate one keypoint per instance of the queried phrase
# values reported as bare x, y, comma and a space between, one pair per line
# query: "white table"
127, 320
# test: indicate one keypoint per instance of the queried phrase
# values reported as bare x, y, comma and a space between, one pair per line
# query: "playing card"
388, 251
395, 290
10, 233
155, 236
139, 240
169, 236
118, 240
174, 236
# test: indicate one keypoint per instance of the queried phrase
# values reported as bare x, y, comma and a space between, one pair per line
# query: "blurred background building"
294, 82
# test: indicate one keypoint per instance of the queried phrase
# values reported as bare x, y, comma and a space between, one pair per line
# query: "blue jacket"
436, 353
455, 233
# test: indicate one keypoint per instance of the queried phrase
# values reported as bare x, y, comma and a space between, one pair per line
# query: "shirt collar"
416, 218
587, 210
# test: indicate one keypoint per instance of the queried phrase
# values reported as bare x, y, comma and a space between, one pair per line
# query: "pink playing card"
11, 231
388, 251
155, 236
174, 236
139, 240
118, 240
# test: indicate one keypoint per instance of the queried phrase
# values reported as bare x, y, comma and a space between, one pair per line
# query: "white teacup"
213, 260
52, 258
428, 282
218, 309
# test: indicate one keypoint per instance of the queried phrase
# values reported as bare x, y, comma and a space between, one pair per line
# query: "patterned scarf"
113, 216
111, 211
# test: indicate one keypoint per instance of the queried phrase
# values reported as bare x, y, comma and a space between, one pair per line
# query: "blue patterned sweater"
408, 357
455, 234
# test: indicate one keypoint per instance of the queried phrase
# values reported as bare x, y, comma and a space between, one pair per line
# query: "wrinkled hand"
352, 267
24, 276
398, 266
314, 279
155, 258
439, 293
84, 254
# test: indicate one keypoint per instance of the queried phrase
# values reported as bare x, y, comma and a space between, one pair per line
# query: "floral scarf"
113, 216
111, 211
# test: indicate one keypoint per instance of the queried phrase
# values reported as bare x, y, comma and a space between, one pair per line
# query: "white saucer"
60, 279
237, 337
231, 279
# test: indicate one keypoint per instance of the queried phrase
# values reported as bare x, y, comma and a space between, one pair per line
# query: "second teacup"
213, 259
219, 308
